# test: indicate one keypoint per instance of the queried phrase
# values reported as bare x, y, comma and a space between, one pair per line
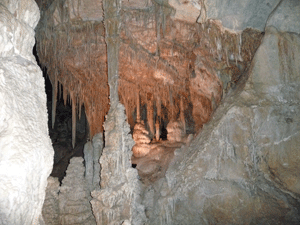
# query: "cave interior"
172, 76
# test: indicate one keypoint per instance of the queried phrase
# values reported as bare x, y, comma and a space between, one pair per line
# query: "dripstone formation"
192, 111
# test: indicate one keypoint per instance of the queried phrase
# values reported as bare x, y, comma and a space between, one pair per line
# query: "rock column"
118, 200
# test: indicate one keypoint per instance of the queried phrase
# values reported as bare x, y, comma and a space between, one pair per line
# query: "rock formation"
69, 203
233, 64
141, 138
241, 168
51, 205
118, 201
74, 206
175, 131
26, 154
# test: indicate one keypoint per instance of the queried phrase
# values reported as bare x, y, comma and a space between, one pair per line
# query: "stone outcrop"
242, 168
26, 156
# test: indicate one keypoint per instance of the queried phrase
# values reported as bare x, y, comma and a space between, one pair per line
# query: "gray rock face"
23, 10
286, 17
238, 15
243, 167
26, 156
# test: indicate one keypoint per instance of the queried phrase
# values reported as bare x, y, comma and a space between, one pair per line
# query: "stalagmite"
138, 107
74, 195
118, 200
54, 101
73, 120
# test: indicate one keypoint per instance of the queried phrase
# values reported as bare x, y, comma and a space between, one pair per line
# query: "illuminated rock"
141, 137
175, 131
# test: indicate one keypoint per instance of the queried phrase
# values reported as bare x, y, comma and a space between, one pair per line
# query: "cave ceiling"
165, 58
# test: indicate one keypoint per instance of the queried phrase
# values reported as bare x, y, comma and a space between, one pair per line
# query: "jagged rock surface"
51, 207
74, 206
92, 152
26, 156
242, 168
119, 197
239, 15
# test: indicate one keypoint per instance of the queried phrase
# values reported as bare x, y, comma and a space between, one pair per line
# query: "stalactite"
73, 102
182, 114
158, 107
138, 107
157, 130
112, 39
158, 118
54, 100
171, 117
65, 95
150, 114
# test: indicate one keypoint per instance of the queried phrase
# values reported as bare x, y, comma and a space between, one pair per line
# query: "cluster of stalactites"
142, 136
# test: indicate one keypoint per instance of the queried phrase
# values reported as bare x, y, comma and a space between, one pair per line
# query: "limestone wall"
26, 154
242, 168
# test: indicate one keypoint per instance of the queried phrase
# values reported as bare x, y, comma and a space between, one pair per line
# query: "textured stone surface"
51, 206
119, 197
238, 15
175, 131
242, 168
286, 16
74, 206
16, 38
23, 10
186, 10
141, 138
26, 155
92, 151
